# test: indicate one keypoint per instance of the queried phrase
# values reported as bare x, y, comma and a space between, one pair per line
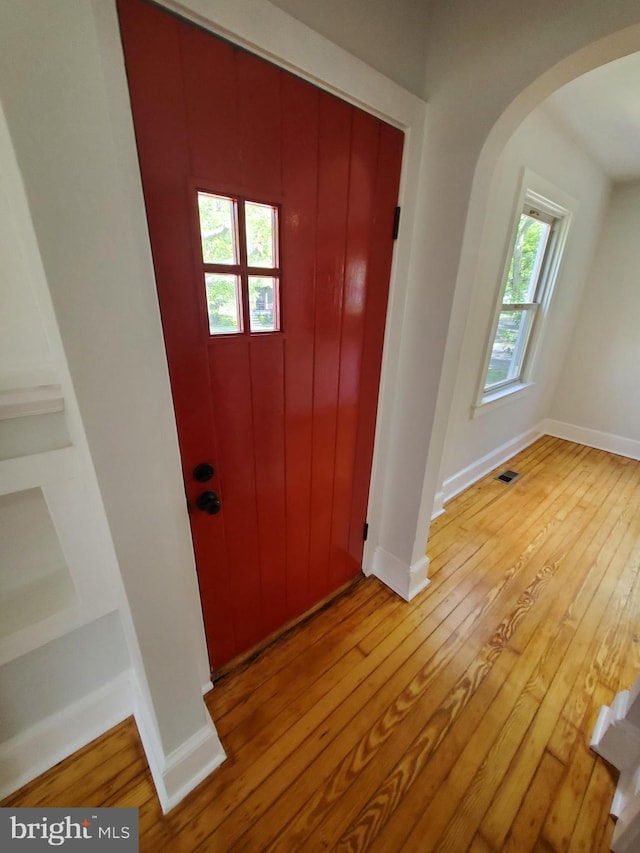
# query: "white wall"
389, 35
51, 82
52, 85
25, 355
599, 382
46, 680
541, 146
56, 559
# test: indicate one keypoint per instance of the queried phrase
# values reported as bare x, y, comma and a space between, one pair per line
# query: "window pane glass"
261, 222
263, 308
508, 348
218, 229
528, 252
223, 303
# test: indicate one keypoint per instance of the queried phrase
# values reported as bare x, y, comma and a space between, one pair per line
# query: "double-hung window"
529, 275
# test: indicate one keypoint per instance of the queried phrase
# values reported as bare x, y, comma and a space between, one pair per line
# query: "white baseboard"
438, 505
452, 486
593, 438
44, 744
407, 581
466, 477
35, 750
177, 773
192, 762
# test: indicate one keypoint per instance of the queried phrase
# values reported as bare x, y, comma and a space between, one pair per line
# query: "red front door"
270, 206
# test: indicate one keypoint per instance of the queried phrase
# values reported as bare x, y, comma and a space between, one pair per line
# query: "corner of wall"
177, 773
438, 505
618, 444
406, 581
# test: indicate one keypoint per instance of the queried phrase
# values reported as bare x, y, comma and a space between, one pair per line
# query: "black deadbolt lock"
209, 502
203, 472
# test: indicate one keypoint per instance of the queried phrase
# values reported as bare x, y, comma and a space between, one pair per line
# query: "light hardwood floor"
460, 721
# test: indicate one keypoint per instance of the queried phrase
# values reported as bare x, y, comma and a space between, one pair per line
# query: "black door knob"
209, 502
203, 472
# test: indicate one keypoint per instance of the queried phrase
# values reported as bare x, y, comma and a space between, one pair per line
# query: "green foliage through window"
531, 238
520, 298
217, 229
239, 241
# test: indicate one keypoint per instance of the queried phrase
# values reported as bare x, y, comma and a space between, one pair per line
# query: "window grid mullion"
244, 271
267, 272
223, 269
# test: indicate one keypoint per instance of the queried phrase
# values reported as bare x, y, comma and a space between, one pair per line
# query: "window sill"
498, 398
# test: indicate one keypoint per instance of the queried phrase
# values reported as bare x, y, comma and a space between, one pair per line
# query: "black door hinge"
396, 223
365, 532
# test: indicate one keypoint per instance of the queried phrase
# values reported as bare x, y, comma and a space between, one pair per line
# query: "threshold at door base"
248, 657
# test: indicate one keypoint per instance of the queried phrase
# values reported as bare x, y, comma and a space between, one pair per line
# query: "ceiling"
601, 110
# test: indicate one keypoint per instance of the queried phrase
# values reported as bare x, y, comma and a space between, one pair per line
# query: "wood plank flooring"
460, 721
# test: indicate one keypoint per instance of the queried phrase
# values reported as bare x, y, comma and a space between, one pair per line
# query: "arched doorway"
490, 148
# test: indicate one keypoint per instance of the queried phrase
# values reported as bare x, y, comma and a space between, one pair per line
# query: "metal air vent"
508, 476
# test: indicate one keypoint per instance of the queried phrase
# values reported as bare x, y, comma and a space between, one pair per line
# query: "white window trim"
549, 199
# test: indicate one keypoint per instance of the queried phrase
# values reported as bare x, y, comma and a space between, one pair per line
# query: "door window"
240, 264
